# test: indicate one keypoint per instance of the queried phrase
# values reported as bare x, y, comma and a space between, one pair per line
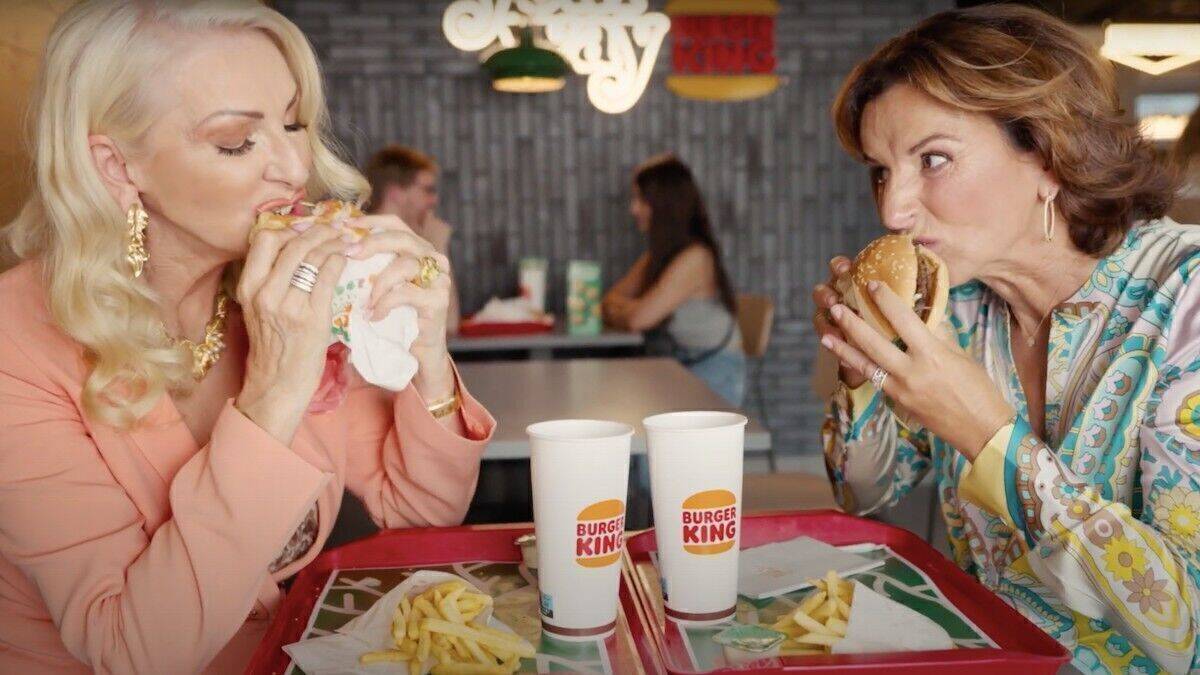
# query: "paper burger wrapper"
379, 350
338, 654
880, 624
877, 624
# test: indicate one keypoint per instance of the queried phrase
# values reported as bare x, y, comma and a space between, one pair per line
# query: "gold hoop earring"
1048, 219
135, 254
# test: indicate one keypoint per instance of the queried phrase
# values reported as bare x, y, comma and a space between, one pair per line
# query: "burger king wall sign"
722, 50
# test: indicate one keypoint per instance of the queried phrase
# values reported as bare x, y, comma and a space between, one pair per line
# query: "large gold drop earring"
137, 219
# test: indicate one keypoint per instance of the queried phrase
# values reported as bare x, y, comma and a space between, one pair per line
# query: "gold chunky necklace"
208, 352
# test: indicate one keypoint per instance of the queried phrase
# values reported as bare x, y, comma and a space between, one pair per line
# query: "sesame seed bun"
896, 261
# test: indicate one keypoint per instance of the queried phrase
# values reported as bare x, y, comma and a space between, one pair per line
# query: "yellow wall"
20, 54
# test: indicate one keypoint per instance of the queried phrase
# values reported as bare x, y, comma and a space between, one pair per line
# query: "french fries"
441, 623
819, 621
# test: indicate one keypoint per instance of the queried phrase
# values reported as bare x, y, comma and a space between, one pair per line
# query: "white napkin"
378, 349
880, 624
786, 566
877, 624
338, 654
508, 310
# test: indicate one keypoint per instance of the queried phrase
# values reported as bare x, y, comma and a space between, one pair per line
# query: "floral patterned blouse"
1093, 532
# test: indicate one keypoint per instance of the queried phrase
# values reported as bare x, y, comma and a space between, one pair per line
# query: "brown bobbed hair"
1049, 91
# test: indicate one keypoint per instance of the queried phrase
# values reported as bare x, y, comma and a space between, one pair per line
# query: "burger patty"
923, 302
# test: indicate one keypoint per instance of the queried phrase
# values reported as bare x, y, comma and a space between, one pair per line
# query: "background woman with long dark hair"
678, 291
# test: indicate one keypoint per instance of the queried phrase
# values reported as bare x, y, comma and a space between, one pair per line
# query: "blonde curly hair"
96, 75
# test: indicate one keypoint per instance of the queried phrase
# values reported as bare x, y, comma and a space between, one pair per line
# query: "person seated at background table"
1186, 156
1060, 413
404, 183
174, 435
678, 291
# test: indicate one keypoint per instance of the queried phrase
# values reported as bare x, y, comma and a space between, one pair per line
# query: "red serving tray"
1024, 648
408, 548
475, 329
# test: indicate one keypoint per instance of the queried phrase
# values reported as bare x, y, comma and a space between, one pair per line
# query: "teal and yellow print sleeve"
1091, 526
873, 460
873, 457
1135, 565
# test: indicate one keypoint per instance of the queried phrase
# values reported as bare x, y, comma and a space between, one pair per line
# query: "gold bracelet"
445, 407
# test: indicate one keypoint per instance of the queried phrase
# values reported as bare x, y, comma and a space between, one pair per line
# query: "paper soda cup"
580, 472
583, 298
532, 282
696, 491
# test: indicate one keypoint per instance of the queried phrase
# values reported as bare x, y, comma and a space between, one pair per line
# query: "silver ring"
879, 377
305, 277
308, 268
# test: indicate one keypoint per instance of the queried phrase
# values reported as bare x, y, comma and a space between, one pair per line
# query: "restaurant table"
790, 491
519, 393
543, 345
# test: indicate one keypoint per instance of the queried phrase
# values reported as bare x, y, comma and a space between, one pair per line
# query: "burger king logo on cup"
710, 522
600, 533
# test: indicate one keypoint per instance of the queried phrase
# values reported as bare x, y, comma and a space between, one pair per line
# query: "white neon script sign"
599, 38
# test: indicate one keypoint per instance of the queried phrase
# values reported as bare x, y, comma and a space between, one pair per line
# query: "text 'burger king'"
710, 522
600, 533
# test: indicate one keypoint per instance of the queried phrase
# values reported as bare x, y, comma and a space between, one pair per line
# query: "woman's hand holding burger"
337, 227
825, 296
288, 329
930, 381
394, 287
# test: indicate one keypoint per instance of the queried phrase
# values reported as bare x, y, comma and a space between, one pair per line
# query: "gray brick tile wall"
548, 174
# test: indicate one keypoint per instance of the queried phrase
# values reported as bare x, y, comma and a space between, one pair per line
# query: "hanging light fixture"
527, 68
1153, 48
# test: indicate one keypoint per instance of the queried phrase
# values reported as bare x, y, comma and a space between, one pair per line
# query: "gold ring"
428, 273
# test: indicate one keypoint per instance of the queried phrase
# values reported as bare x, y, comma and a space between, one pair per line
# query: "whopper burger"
913, 272
328, 212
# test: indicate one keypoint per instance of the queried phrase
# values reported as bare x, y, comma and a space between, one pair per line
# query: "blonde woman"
174, 435
1061, 424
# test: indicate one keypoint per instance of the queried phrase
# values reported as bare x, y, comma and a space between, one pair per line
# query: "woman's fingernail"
873, 286
836, 311
353, 249
827, 341
301, 225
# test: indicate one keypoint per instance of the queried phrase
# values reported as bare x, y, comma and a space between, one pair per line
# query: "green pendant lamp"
527, 69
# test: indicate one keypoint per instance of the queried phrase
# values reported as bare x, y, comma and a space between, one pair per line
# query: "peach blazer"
139, 552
